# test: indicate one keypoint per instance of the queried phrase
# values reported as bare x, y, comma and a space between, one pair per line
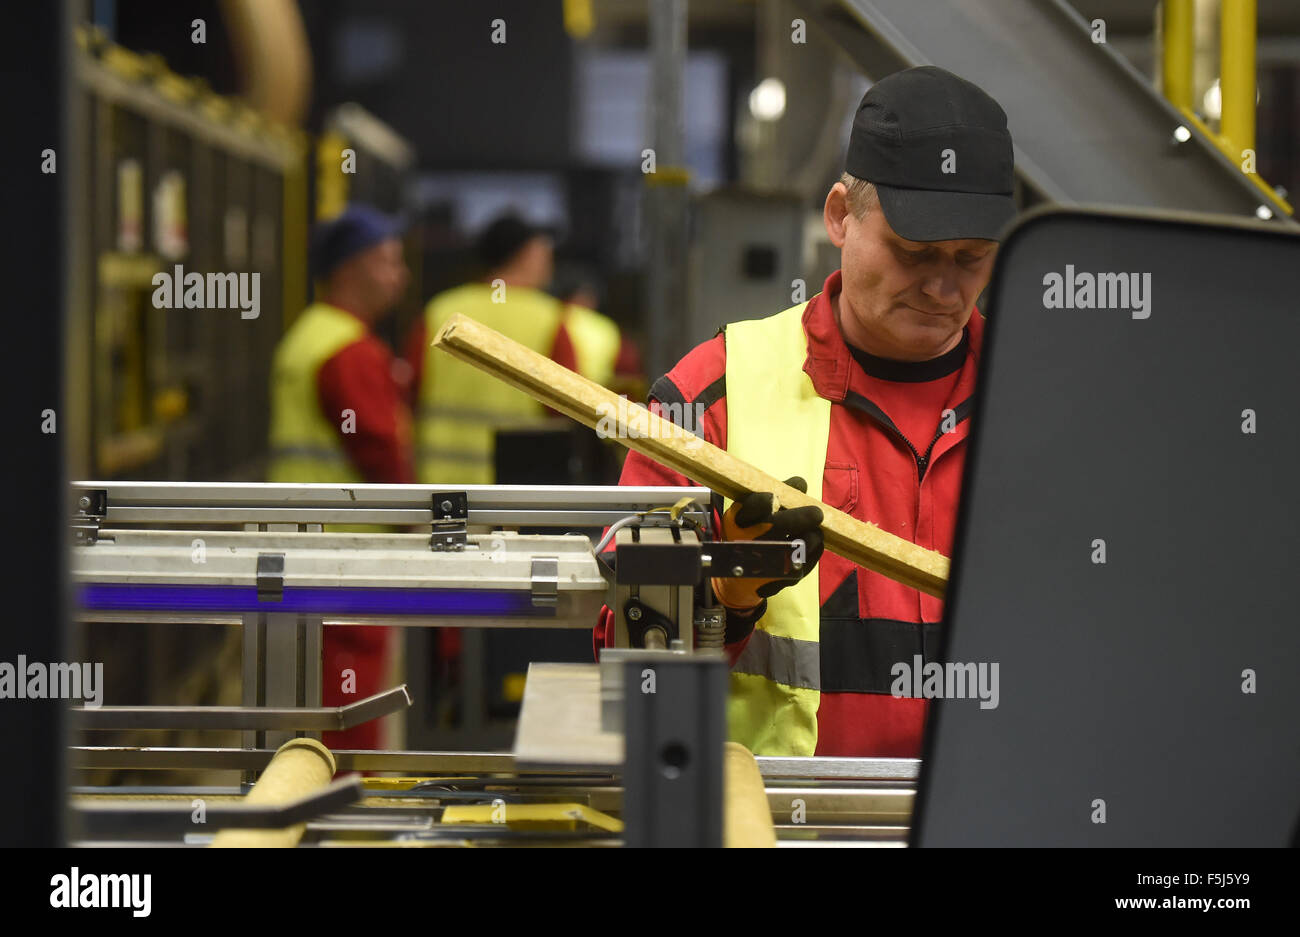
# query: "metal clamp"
270, 577
450, 520
546, 581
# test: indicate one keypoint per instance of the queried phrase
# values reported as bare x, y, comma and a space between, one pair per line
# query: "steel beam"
1088, 127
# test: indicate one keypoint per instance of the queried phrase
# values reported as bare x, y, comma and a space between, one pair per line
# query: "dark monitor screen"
1128, 545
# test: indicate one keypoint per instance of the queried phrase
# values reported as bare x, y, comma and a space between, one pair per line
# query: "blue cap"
359, 227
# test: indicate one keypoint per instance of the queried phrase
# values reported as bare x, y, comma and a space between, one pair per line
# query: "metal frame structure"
271, 552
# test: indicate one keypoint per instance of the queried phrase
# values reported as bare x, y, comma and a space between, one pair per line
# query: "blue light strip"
342, 600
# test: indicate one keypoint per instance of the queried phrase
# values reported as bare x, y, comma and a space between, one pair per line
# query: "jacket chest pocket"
840, 486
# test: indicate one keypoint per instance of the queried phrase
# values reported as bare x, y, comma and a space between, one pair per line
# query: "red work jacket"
909, 487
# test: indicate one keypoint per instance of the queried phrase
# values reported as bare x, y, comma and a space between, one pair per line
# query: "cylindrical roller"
298, 768
747, 819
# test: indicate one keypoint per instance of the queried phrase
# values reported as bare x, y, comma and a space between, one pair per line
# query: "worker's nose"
943, 287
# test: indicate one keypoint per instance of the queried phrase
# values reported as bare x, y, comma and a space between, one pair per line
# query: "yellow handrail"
1236, 133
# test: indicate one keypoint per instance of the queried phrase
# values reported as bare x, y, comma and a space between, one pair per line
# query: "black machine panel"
1149, 415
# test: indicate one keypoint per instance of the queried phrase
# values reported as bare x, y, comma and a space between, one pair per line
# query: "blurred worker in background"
459, 409
604, 353
861, 397
338, 415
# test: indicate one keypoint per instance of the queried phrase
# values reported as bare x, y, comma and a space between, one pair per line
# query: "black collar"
913, 372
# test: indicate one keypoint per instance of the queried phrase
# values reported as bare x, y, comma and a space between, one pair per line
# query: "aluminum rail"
493, 505
258, 718
243, 759
105, 819
1088, 127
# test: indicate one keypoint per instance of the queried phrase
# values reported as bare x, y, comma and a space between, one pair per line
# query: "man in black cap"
860, 396
459, 409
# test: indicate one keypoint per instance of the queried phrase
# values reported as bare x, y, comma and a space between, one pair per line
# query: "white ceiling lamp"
767, 100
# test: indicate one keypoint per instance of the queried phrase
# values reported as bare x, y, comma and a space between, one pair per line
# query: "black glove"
751, 518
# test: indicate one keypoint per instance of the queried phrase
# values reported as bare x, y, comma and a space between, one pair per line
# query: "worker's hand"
751, 518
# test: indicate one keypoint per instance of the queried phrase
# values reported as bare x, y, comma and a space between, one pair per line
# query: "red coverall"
889, 462
360, 377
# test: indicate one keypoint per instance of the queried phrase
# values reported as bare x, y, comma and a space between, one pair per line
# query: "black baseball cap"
503, 238
937, 148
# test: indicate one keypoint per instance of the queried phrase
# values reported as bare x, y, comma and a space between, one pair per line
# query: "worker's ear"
835, 212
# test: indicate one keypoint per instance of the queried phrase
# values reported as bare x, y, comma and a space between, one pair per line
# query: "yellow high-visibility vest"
305, 443
777, 422
596, 341
460, 408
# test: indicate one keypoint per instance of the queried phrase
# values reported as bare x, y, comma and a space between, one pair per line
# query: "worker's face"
535, 263
381, 273
583, 296
901, 299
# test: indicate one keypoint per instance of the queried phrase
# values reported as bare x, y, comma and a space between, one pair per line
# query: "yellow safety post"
1177, 46
331, 181
579, 18
293, 228
1237, 78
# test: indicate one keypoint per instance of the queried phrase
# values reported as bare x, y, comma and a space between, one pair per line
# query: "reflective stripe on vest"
460, 409
596, 340
305, 445
777, 422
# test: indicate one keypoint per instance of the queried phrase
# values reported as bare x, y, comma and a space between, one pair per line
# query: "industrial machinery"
627, 751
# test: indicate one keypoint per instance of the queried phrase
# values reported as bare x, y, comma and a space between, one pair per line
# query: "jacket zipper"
922, 461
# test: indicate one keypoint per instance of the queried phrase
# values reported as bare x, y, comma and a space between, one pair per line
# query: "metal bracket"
270, 577
450, 520
754, 559
673, 564
92, 505
641, 619
546, 581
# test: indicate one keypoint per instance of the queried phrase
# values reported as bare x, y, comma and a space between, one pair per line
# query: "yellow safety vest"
596, 340
461, 408
777, 422
305, 444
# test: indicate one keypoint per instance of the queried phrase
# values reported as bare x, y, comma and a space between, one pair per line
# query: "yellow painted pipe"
271, 50
1237, 74
747, 818
299, 767
1177, 48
